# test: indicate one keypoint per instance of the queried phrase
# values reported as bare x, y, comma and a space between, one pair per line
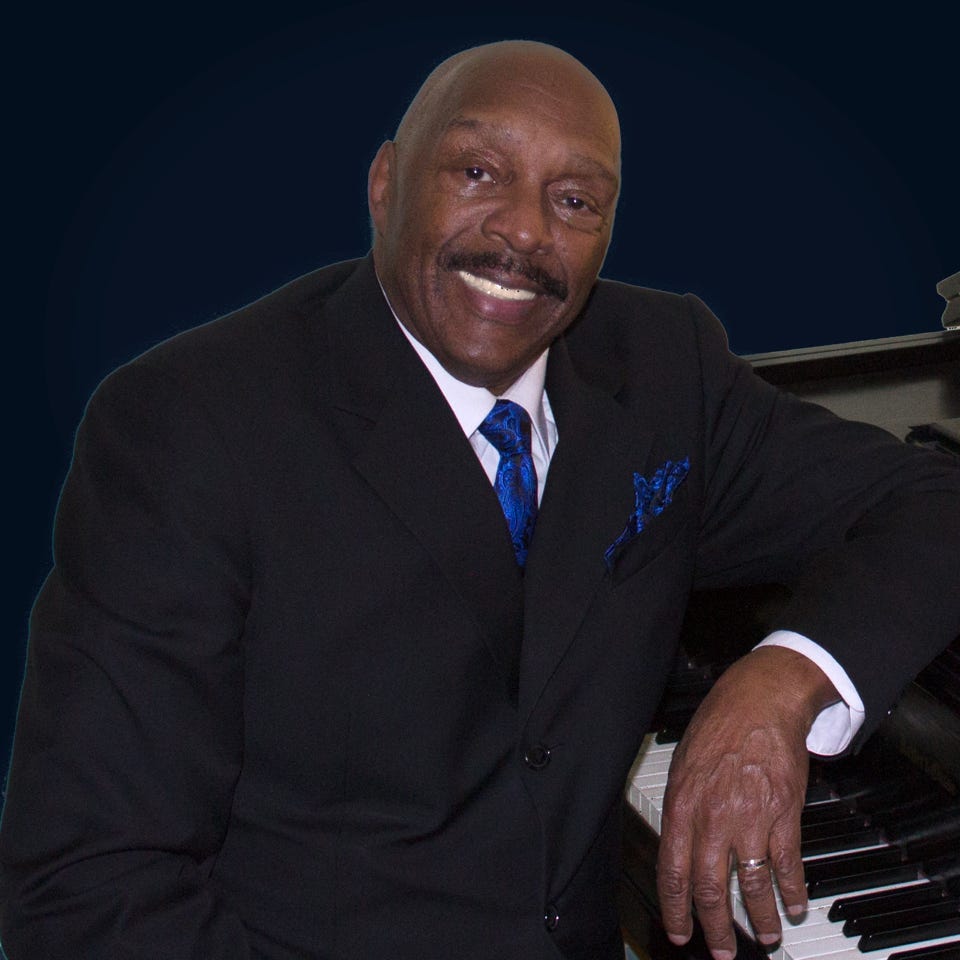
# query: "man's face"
493, 216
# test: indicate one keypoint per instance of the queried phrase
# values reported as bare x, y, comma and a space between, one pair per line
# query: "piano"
881, 831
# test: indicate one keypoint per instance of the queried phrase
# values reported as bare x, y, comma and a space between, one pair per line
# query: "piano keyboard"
815, 936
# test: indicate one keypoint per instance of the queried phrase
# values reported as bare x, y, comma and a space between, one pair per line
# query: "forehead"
535, 125
514, 102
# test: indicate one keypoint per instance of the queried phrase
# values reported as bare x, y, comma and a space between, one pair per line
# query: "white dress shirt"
834, 727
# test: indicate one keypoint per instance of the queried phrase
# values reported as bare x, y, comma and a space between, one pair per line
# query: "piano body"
898, 801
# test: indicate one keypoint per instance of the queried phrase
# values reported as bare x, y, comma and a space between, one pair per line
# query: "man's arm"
866, 532
129, 737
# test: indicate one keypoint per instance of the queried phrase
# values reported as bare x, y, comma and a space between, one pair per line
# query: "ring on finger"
752, 863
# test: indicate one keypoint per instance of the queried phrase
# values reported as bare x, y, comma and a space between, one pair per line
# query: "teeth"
492, 289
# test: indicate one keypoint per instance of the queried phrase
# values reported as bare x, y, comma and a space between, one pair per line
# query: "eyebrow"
472, 123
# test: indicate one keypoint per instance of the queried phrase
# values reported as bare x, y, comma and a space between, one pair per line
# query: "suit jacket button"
551, 919
537, 757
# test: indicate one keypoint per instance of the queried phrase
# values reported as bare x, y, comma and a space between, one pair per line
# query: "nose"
521, 220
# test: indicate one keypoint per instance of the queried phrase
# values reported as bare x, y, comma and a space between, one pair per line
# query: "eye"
576, 203
478, 174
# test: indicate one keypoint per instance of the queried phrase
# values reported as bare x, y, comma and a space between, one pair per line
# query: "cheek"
583, 259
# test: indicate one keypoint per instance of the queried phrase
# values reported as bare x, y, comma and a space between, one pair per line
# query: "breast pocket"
648, 550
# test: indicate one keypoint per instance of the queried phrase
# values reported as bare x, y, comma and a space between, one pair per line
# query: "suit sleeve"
863, 528
129, 736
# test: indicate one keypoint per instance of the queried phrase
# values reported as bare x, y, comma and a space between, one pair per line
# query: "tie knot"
507, 427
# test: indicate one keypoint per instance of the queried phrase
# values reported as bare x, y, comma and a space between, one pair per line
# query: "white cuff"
836, 725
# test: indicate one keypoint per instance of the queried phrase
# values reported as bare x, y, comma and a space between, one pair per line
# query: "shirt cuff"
836, 725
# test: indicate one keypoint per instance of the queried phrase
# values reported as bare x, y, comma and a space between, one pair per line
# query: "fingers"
693, 869
730, 813
769, 847
756, 891
673, 878
788, 865
704, 883
711, 896
775, 829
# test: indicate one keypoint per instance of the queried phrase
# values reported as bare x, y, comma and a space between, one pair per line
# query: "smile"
492, 289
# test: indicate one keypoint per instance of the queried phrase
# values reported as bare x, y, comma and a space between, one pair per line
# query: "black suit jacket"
288, 695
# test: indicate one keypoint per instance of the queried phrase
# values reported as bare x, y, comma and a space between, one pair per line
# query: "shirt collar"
470, 405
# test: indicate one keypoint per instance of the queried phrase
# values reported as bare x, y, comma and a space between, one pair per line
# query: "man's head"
493, 207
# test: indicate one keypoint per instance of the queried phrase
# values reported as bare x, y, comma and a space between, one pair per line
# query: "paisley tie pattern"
507, 427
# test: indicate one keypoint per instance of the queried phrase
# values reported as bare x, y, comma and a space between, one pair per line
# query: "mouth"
492, 289
502, 277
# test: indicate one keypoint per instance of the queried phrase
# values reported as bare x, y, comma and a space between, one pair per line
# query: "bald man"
364, 595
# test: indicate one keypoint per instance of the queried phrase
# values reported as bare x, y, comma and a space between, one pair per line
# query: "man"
295, 689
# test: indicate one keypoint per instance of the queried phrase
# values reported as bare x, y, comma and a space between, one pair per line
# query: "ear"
380, 185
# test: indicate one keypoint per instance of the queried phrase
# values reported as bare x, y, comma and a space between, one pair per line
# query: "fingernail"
723, 954
676, 939
768, 938
796, 909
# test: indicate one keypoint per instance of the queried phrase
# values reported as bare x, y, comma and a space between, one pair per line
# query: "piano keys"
886, 821
931, 871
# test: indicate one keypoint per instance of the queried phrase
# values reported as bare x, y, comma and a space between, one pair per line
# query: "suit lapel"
588, 497
409, 447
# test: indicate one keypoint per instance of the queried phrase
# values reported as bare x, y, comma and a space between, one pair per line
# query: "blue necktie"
507, 427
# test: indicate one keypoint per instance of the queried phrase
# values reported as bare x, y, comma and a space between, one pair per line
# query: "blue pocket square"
650, 497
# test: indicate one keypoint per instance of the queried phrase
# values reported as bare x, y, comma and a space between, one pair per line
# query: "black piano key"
946, 868
855, 788
899, 801
823, 812
901, 795
941, 821
879, 779
847, 863
838, 826
896, 804
922, 931
669, 735
882, 901
836, 875
902, 919
867, 837
850, 883
946, 848
939, 951
820, 792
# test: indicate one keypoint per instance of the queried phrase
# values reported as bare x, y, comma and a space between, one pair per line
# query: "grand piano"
881, 831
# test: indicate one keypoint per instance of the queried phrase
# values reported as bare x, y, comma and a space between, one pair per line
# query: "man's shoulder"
614, 302
272, 325
272, 318
619, 291
626, 324
266, 349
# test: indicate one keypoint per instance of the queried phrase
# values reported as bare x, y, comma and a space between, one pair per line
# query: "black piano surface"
903, 788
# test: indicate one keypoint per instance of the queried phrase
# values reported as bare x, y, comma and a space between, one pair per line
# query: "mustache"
476, 262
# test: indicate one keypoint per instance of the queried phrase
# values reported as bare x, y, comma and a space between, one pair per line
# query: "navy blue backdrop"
792, 164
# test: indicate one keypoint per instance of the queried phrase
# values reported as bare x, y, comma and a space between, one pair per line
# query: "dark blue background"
795, 165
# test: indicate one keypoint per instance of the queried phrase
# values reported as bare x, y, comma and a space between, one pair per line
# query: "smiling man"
494, 208
364, 595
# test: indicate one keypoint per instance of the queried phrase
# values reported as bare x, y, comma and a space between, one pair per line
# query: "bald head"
493, 207
496, 66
